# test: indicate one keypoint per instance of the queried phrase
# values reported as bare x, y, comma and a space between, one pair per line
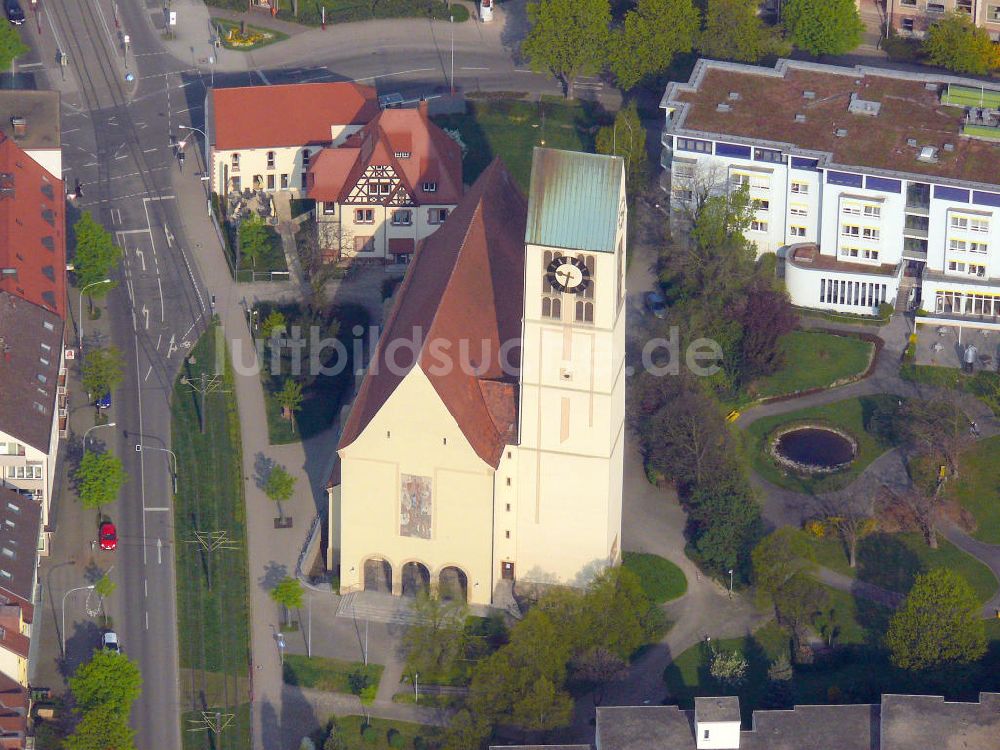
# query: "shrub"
358, 679
394, 738
419, 743
368, 695
885, 310
816, 528
369, 734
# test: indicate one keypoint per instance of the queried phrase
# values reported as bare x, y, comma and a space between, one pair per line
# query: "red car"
108, 536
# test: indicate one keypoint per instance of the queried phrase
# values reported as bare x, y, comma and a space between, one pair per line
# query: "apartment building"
874, 185
263, 137
386, 187
913, 17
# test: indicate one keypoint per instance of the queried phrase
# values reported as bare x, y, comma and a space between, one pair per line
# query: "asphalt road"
116, 137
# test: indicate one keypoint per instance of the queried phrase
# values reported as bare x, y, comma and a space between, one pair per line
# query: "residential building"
32, 120
899, 722
486, 442
263, 137
14, 709
386, 187
874, 185
33, 397
913, 17
32, 230
20, 519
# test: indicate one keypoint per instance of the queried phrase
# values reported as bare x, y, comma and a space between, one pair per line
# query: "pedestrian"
78, 191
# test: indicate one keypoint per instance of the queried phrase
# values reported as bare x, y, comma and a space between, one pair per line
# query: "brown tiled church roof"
465, 283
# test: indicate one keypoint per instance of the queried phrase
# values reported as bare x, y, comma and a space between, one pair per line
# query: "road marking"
74, 130
148, 509
171, 347
142, 258
123, 156
263, 77
25, 66
148, 373
198, 106
467, 68
147, 619
159, 286
158, 197
159, 551
169, 235
131, 231
148, 150
397, 73
523, 70
145, 314
159, 338
145, 587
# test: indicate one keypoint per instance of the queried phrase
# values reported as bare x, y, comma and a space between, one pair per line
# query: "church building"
485, 445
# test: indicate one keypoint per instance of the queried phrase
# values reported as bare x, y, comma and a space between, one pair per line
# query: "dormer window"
305, 158
430, 187
234, 162
402, 154
270, 160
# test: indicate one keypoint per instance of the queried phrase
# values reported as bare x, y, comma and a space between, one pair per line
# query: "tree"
290, 397
724, 523
255, 239
783, 564
102, 728
95, 257
436, 638
11, 46
467, 730
105, 587
734, 31
627, 138
767, 317
955, 42
568, 38
850, 515
654, 32
939, 624
99, 479
935, 427
542, 708
102, 371
279, 488
728, 667
288, 593
274, 323
616, 614
598, 666
109, 680
823, 27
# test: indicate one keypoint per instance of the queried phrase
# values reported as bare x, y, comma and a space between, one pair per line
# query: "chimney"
717, 723
20, 126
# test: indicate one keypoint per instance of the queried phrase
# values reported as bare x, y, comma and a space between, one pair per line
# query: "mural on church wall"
415, 506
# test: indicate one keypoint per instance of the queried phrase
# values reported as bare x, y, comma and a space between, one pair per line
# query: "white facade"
49, 158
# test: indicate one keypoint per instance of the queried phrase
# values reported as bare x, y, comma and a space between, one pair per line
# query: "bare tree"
915, 507
851, 514
693, 183
936, 427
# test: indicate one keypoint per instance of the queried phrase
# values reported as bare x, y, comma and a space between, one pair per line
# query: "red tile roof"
13, 714
294, 114
32, 232
465, 283
433, 157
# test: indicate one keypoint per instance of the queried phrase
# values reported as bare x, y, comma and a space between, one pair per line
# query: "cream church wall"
423, 439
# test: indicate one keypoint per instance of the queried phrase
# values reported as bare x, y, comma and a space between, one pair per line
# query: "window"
382, 187
954, 265
584, 312
364, 244
797, 231
508, 507
851, 208
270, 160
849, 252
234, 162
437, 215
872, 212
237, 184
705, 736
430, 187
402, 154
270, 182
305, 180
977, 247
683, 169
552, 308
957, 245
935, 7
993, 13
762, 205
870, 233
686, 196
691, 144
402, 217
24, 472
305, 158
907, 23
801, 188
959, 222
284, 182
979, 225
364, 216
507, 534
329, 209
798, 210
976, 269
871, 254
738, 180
849, 230
758, 226
911, 3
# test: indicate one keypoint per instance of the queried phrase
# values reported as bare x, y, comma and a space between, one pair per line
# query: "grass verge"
852, 415
660, 578
347, 11
511, 128
978, 488
331, 675
892, 561
212, 587
434, 700
351, 729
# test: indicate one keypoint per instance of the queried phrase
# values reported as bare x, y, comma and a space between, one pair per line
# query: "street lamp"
281, 647
451, 25
139, 448
82, 291
207, 176
63, 633
87, 433
730, 583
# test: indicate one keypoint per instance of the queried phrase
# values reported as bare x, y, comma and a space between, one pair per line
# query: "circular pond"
813, 449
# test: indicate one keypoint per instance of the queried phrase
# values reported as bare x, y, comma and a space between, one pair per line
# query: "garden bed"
348, 11
331, 675
255, 36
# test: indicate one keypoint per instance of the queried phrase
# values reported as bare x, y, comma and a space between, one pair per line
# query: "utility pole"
204, 385
451, 24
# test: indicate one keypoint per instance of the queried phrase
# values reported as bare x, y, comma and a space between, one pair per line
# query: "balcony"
914, 248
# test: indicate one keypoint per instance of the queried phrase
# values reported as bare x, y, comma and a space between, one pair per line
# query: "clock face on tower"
566, 274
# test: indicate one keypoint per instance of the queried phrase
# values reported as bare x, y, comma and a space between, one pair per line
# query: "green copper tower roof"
574, 200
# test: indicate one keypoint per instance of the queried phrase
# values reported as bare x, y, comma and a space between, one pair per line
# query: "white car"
110, 642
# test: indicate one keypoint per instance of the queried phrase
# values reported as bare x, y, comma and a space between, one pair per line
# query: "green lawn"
273, 259
978, 487
413, 735
435, 700
892, 561
330, 675
270, 36
814, 359
345, 11
511, 128
238, 727
660, 578
212, 587
852, 415
11, 45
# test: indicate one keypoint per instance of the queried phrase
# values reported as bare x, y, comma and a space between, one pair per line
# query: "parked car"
110, 642
104, 402
14, 12
656, 303
108, 536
